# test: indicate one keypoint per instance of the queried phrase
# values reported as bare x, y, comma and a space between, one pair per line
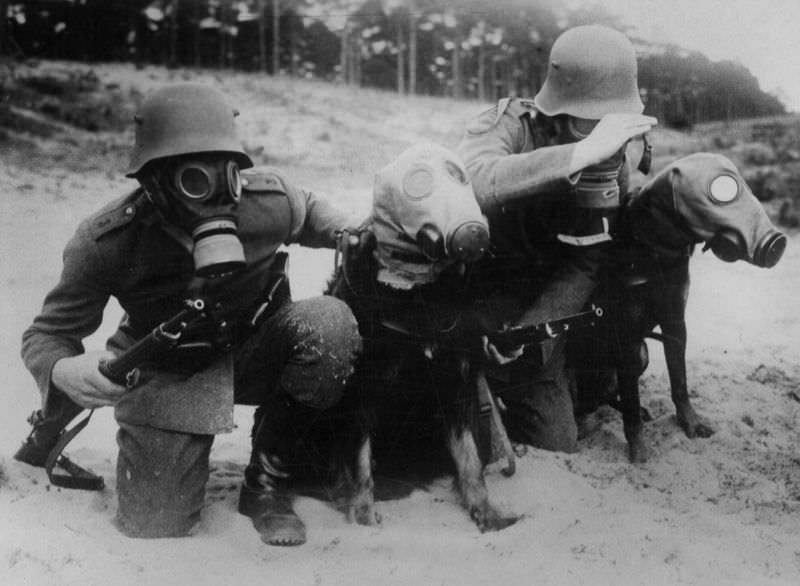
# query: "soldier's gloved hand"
358, 241
80, 379
612, 132
492, 353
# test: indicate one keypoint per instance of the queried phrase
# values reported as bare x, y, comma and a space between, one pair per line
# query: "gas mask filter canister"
597, 196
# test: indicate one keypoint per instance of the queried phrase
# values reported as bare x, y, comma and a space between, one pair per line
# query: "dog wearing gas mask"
701, 198
408, 286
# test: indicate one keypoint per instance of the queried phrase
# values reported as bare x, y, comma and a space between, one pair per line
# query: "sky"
763, 35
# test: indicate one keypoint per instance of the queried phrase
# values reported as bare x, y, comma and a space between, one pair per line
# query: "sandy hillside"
725, 510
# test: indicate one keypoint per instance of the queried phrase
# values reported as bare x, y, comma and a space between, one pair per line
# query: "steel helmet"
181, 119
591, 72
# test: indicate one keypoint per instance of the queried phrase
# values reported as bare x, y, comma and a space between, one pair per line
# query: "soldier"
194, 228
548, 173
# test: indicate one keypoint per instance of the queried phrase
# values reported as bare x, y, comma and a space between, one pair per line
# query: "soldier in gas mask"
549, 174
201, 225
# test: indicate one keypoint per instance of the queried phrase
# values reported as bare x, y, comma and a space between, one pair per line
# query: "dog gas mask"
597, 195
425, 217
711, 203
200, 194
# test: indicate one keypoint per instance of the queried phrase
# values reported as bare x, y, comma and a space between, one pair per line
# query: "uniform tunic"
126, 251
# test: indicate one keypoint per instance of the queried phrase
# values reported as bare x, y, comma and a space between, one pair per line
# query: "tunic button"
129, 210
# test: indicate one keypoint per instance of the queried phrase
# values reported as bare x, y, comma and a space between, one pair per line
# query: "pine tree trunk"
293, 49
262, 36
482, 72
276, 36
5, 46
344, 54
482, 62
401, 61
458, 83
412, 52
173, 34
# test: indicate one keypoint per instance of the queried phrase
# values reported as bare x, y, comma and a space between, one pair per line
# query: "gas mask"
425, 217
744, 232
200, 194
597, 195
703, 198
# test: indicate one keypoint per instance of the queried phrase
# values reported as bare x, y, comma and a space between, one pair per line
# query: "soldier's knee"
327, 323
161, 479
325, 352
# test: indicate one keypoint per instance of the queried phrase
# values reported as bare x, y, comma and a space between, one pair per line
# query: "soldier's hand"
80, 379
612, 132
492, 353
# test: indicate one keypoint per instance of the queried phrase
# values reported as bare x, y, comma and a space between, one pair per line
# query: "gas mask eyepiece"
580, 128
198, 181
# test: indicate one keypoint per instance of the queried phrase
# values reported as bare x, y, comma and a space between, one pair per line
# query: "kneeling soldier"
195, 228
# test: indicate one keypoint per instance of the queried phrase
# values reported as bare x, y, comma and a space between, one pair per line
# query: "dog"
701, 198
407, 284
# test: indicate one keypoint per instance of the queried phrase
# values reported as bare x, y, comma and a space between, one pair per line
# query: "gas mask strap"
661, 231
646, 162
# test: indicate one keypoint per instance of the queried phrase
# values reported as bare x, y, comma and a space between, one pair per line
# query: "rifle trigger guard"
132, 378
163, 334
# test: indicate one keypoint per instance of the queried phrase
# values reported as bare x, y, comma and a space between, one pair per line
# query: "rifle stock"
525, 335
124, 369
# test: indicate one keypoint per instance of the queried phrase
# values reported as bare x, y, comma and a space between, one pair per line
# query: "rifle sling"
77, 477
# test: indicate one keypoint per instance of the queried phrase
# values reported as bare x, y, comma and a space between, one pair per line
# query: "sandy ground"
723, 510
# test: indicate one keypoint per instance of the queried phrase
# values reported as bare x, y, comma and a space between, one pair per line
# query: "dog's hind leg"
633, 363
355, 485
362, 502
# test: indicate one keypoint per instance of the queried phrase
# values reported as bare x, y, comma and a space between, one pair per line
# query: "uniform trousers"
535, 388
305, 351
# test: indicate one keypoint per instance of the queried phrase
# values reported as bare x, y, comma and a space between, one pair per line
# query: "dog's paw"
638, 452
699, 428
487, 518
363, 514
693, 425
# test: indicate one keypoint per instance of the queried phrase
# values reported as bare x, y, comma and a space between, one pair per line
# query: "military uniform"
522, 181
303, 349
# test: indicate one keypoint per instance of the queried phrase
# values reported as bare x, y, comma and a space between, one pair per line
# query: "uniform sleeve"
503, 175
322, 221
72, 311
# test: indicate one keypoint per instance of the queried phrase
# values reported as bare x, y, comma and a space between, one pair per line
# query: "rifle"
124, 369
516, 336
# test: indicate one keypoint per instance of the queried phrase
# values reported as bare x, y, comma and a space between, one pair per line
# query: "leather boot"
265, 496
45, 433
